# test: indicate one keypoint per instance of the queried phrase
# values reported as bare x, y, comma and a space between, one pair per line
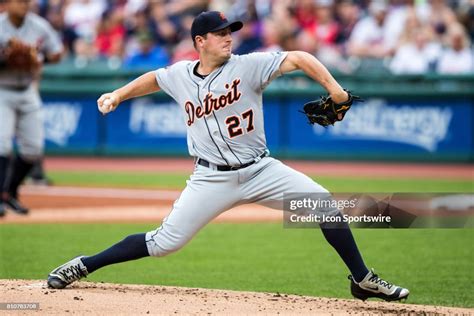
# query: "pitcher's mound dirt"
103, 298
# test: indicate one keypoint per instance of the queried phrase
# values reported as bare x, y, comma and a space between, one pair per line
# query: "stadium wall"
403, 118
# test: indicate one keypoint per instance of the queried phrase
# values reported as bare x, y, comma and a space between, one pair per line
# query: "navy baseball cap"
212, 21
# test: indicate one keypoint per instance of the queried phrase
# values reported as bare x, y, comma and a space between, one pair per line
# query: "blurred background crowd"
402, 36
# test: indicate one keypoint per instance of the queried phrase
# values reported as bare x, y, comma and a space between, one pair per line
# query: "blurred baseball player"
26, 42
221, 98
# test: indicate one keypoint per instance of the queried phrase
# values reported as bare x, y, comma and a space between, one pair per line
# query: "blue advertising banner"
146, 126
375, 129
384, 128
71, 125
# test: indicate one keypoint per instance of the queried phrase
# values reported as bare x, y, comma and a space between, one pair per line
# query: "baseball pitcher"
221, 100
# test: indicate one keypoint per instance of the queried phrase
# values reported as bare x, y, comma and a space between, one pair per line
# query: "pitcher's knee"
165, 240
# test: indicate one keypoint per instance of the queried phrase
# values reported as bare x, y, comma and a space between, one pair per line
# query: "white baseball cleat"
373, 286
67, 273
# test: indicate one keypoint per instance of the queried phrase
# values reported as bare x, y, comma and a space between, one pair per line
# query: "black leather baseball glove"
326, 112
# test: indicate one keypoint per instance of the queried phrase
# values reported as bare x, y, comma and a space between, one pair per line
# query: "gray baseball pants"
21, 116
210, 192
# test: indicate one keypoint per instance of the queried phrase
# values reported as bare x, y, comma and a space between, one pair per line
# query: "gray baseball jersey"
223, 112
34, 31
224, 116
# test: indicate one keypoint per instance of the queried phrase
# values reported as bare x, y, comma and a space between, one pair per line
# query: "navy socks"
131, 248
20, 169
134, 247
4, 163
339, 236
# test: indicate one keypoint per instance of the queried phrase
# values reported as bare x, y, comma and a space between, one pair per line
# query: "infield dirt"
116, 299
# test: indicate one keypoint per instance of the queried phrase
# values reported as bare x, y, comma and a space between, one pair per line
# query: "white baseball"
107, 102
107, 105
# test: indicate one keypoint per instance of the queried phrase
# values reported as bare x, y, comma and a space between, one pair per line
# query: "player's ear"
199, 41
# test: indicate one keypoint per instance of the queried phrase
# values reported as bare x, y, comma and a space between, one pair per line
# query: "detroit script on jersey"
213, 103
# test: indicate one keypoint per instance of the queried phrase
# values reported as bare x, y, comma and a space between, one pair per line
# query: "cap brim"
234, 26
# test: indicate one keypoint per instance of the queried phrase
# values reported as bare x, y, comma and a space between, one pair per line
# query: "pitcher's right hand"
108, 102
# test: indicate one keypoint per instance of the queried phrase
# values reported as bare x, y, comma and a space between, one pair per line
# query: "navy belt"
207, 164
15, 88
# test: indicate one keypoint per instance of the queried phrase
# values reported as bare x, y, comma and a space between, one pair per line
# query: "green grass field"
435, 264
